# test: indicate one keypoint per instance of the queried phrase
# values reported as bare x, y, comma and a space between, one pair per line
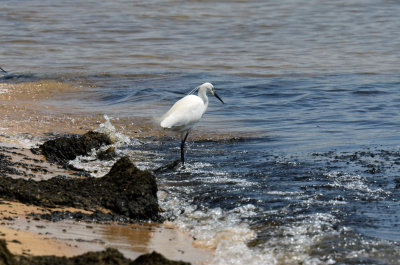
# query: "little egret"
186, 112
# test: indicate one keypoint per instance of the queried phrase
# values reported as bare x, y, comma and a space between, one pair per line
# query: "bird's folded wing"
184, 113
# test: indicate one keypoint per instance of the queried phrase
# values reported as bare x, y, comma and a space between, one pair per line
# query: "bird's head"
209, 88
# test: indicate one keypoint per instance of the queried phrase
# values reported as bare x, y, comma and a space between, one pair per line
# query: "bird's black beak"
216, 95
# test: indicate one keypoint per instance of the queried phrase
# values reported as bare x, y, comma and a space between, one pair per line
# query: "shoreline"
28, 235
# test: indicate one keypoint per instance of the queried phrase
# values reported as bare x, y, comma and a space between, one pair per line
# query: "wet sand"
26, 235
21, 240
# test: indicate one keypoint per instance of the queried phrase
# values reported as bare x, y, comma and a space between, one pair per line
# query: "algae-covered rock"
6, 258
155, 258
6, 166
125, 191
63, 149
108, 154
105, 257
137, 190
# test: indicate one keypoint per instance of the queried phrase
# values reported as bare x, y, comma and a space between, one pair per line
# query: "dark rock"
6, 257
108, 256
136, 189
6, 166
125, 191
108, 154
63, 149
156, 259
44, 260
17, 163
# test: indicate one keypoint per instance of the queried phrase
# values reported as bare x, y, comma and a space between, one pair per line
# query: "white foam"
291, 243
217, 229
284, 193
354, 182
202, 171
108, 129
21, 141
237, 253
90, 163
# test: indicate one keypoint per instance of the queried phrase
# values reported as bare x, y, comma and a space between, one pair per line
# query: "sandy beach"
26, 236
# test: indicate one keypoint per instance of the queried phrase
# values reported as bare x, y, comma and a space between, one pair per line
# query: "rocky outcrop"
125, 191
63, 149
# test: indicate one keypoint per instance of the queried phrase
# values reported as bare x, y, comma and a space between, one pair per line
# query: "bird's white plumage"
184, 114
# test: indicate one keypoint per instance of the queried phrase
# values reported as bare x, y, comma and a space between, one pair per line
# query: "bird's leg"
183, 147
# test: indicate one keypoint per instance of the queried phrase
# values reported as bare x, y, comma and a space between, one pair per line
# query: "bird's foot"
175, 165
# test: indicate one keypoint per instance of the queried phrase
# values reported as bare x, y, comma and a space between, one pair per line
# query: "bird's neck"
203, 95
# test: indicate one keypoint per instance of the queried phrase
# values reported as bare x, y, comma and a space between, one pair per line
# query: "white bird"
186, 112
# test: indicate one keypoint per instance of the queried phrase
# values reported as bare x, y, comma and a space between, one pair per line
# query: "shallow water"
301, 163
